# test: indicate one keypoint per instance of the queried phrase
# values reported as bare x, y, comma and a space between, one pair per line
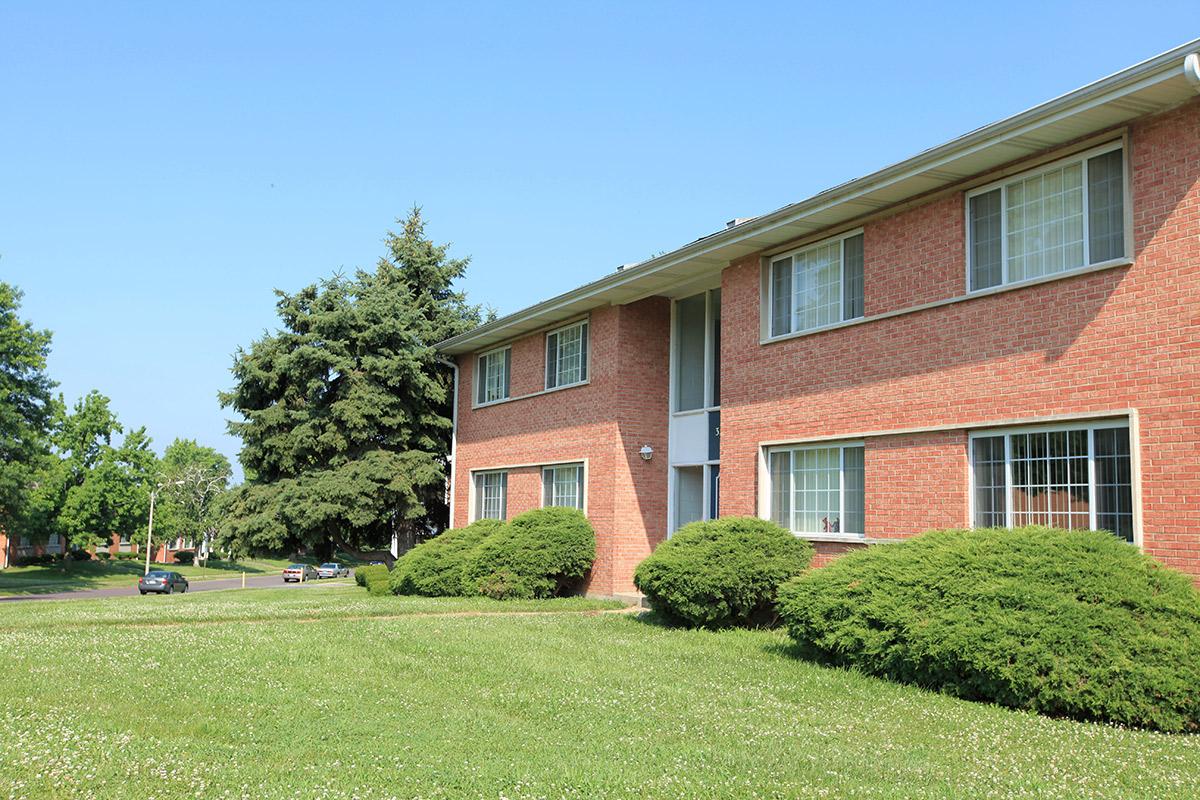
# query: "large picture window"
819, 285
1073, 477
1064, 216
562, 485
817, 490
567, 355
493, 376
491, 495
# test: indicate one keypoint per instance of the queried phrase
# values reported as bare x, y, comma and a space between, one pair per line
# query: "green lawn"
333, 694
70, 576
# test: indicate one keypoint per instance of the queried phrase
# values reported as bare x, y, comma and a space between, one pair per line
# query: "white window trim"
1091, 425
473, 492
1047, 166
764, 496
479, 376
528, 465
587, 361
768, 305
583, 485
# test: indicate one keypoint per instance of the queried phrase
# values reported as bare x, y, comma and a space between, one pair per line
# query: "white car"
332, 569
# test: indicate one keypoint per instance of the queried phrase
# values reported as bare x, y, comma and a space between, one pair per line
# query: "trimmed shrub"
374, 578
127, 557
435, 568
1067, 623
541, 553
722, 572
185, 557
104, 556
39, 560
80, 555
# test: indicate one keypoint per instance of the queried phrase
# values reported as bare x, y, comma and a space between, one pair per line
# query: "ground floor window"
562, 485
491, 495
1074, 477
817, 490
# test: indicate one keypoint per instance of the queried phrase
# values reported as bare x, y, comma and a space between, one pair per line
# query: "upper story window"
1067, 215
567, 355
696, 351
817, 490
491, 495
492, 376
818, 285
562, 485
1076, 476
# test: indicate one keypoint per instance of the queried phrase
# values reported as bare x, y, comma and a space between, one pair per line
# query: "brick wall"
606, 421
1123, 338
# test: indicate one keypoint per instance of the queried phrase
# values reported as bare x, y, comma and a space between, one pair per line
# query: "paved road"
252, 582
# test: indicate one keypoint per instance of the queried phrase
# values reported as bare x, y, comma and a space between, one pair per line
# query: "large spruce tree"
345, 409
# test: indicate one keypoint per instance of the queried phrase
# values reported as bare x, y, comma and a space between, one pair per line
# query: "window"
1068, 215
1076, 477
817, 490
563, 486
492, 376
696, 350
491, 495
817, 286
567, 355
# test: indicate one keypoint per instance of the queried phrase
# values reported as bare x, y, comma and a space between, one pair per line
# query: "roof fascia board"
1106, 90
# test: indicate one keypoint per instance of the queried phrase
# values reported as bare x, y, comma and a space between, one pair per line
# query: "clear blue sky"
163, 168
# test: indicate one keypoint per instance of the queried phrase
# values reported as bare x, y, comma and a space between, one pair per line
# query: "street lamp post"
150, 528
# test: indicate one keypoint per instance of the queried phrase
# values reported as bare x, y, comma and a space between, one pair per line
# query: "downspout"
453, 365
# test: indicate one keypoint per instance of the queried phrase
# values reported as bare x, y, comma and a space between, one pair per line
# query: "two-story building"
1001, 330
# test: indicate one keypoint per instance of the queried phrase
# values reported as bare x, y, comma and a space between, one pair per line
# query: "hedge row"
375, 578
542, 553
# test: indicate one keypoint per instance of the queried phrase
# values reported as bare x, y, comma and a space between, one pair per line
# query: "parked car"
332, 569
300, 572
161, 581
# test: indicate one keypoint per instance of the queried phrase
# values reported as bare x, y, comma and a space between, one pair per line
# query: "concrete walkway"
252, 582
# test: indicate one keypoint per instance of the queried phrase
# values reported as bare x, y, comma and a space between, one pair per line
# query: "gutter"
1154, 70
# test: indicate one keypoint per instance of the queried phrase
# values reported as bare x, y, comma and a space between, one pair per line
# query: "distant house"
1000, 330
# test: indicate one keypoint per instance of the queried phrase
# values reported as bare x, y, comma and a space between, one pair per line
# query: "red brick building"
1001, 330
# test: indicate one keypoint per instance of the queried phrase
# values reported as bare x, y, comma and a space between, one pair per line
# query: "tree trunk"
323, 550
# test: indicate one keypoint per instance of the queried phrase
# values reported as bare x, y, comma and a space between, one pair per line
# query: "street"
252, 582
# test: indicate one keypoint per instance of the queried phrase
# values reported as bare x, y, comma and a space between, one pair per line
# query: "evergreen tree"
345, 410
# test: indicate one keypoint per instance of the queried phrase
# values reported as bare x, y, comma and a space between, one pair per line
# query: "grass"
71, 576
333, 694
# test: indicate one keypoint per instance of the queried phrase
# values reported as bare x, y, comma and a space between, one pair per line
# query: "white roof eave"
1156, 84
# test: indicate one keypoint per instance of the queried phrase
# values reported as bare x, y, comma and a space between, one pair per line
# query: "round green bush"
1074, 624
435, 568
542, 553
722, 572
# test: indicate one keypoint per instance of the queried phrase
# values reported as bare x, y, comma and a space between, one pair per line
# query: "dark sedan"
162, 582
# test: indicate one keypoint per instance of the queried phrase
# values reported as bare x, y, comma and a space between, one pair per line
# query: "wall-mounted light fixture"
647, 452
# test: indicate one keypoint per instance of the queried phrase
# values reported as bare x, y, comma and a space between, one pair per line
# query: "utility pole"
150, 528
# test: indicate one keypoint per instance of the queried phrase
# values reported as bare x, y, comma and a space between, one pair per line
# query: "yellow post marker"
243, 579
